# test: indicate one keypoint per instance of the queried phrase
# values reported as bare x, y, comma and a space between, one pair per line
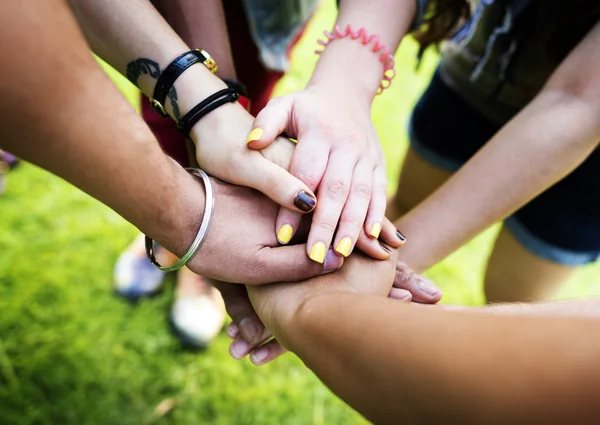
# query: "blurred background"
73, 353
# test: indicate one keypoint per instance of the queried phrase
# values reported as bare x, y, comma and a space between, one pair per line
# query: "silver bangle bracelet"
209, 207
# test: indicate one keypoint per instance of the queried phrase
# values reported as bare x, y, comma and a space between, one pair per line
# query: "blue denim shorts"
561, 225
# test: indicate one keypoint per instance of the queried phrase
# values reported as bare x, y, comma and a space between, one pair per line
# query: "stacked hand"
338, 156
246, 219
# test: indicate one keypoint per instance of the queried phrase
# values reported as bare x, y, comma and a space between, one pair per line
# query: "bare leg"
418, 179
515, 274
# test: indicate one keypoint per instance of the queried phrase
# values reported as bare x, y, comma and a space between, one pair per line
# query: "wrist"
178, 222
350, 68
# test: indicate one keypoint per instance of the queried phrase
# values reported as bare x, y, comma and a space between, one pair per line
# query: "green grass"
72, 353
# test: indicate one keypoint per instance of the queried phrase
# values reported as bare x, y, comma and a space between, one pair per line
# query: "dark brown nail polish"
400, 236
386, 249
305, 202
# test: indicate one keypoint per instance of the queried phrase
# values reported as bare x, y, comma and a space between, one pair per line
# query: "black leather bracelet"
209, 104
173, 71
235, 84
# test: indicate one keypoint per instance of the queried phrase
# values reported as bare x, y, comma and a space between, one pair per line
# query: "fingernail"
375, 230
248, 329
285, 233
259, 355
232, 330
305, 201
255, 134
239, 348
386, 249
317, 252
400, 236
332, 261
343, 247
427, 287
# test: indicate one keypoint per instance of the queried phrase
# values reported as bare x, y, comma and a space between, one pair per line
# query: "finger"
372, 247
238, 306
267, 352
308, 164
232, 330
290, 264
279, 185
333, 193
391, 235
422, 289
378, 203
400, 295
271, 122
354, 211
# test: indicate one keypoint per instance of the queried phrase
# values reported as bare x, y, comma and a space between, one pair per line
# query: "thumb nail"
254, 135
249, 330
428, 287
305, 201
332, 261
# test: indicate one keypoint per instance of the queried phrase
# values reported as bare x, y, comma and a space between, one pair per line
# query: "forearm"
535, 150
201, 25
62, 113
398, 363
571, 308
133, 38
346, 63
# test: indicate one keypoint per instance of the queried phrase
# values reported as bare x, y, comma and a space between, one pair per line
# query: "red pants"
259, 81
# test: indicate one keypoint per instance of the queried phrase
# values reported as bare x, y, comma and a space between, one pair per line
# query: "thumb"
272, 121
279, 185
290, 264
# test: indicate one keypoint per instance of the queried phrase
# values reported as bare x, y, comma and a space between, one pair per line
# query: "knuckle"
273, 180
308, 179
326, 227
362, 190
337, 189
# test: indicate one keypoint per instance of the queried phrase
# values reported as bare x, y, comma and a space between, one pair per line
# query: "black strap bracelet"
235, 84
208, 105
173, 71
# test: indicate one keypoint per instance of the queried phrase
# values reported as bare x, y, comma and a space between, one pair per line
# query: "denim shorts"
561, 225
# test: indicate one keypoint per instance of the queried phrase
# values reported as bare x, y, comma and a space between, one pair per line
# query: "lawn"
73, 353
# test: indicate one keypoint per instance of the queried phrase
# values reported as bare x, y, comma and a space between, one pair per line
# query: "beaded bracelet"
385, 56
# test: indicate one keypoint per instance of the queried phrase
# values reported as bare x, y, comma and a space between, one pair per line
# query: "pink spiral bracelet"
385, 56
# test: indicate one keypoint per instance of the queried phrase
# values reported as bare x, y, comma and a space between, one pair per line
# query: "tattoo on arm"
146, 66
172, 95
140, 66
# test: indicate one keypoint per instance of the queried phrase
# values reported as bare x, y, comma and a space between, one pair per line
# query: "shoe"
134, 276
197, 316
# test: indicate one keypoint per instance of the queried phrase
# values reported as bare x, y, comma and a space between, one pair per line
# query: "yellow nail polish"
343, 247
375, 230
285, 233
317, 252
255, 134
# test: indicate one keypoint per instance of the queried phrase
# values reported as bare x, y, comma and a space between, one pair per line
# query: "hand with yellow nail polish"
241, 246
221, 151
338, 156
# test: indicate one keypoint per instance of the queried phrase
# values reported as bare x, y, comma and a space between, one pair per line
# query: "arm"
62, 113
405, 363
540, 146
571, 308
338, 150
133, 38
51, 115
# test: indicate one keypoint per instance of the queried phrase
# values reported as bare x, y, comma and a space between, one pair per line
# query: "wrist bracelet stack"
167, 79
209, 104
173, 71
209, 206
